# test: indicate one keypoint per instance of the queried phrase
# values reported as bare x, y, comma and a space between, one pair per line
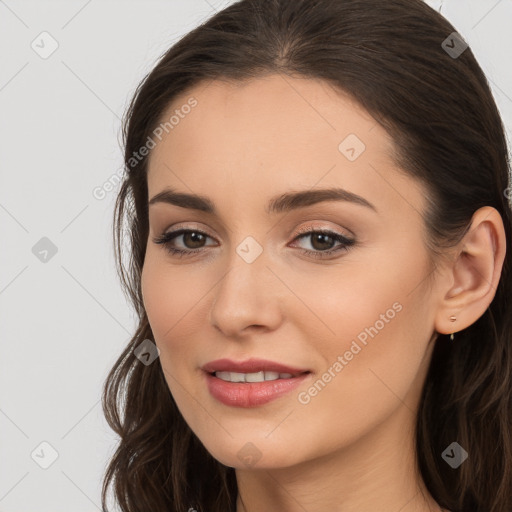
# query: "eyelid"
188, 227
322, 227
302, 230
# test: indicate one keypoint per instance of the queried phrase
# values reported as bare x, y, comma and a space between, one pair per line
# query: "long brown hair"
393, 58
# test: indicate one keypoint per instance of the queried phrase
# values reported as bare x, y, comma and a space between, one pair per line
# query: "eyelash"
346, 243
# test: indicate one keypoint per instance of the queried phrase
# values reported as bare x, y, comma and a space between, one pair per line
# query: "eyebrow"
278, 204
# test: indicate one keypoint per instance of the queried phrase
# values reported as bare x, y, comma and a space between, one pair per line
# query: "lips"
252, 365
232, 383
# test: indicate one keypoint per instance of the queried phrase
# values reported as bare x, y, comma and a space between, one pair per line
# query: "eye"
190, 237
323, 242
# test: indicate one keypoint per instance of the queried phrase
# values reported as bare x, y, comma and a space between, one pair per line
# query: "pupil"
321, 238
196, 237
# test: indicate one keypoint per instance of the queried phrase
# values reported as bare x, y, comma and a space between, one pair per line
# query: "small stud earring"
452, 319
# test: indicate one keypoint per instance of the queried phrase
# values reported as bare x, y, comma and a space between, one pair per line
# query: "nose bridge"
247, 275
244, 295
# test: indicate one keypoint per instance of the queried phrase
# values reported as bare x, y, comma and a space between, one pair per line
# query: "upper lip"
252, 365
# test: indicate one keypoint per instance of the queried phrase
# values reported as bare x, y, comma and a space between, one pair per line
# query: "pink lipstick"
251, 382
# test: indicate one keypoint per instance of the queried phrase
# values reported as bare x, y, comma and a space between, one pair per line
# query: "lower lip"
251, 394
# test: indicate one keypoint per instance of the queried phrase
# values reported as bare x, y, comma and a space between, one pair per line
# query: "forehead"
271, 134
277, 110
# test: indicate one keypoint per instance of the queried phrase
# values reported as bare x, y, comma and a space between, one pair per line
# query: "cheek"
169, 301
376, 356
176, 301
171, 295
377, 298
341, 304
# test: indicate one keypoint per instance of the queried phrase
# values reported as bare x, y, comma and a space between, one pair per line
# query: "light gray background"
65, 321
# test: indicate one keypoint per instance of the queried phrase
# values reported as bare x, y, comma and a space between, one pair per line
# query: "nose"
246, 298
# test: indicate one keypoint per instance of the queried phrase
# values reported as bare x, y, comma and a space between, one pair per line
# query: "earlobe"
474, 274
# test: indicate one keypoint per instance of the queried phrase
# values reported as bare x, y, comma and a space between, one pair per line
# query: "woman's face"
355, 324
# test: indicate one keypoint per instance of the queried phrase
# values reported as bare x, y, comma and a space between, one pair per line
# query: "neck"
377, 472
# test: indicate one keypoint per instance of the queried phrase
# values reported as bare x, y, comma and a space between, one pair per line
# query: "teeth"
254, 377
251, 377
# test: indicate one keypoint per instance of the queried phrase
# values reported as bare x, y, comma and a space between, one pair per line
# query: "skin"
351, 447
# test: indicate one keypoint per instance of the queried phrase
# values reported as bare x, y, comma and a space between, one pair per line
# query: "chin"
244, 454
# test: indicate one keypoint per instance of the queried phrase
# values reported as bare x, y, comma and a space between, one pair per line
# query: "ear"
473, 276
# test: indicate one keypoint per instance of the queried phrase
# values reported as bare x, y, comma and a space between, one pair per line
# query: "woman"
316, 197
